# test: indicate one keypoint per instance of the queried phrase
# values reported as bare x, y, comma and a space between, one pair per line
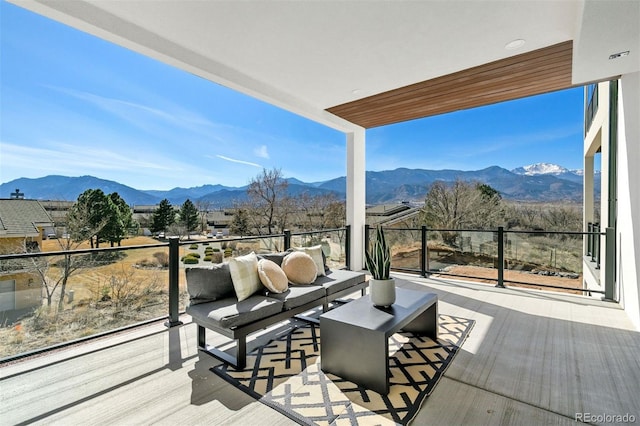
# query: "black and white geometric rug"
285, 375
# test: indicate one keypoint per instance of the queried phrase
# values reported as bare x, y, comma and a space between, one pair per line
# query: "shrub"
193, 247
216, 250
207, 258
190, 260
191, 255
162, 258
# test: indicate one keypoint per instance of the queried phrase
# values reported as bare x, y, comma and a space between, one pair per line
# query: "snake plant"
378, 258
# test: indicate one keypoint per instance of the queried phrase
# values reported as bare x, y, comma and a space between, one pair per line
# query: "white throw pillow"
316, 254
272, 276
244, 274
299, 268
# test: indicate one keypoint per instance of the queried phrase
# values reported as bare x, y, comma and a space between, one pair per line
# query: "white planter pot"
383, 292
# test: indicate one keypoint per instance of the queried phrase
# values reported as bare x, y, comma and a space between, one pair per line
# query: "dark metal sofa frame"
240, 333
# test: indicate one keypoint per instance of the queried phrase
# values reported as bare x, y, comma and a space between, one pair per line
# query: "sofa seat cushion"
299, 295
339, 279
229, 313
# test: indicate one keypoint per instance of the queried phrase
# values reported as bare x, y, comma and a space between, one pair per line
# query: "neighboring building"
392, 215
58, 210
23, 224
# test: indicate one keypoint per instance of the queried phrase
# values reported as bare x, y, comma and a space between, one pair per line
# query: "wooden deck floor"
532, 358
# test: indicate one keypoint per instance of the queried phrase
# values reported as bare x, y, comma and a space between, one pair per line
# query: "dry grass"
105, 297
409, 257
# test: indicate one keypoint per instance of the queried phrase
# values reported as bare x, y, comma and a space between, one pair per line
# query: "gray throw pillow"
206, 284
274, 257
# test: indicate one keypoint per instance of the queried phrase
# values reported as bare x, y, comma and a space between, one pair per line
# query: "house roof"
21, 218
390, 214
337, 62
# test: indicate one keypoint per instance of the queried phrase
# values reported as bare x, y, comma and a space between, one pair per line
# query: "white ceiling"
307, 56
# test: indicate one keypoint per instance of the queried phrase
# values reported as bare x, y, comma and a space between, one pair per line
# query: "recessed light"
619, 55
514, 44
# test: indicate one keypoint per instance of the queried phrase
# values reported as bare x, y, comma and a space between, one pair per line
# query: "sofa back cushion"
277, 258
272, 276
206, 284
244, 275
300, 268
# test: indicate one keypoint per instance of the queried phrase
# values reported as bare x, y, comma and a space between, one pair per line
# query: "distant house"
396, 215
23, 224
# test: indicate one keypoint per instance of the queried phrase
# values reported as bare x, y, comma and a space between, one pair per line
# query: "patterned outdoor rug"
285, 375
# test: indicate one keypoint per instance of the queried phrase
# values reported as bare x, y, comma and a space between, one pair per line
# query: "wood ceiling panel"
533, 73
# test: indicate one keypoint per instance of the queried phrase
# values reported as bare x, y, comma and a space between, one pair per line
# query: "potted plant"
378, 260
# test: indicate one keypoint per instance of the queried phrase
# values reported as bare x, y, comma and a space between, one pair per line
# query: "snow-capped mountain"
543, 169
549, 169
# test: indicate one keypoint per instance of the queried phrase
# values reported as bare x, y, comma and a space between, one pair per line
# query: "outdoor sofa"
220, 301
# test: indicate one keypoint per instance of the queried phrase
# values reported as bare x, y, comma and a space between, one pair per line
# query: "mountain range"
536, 182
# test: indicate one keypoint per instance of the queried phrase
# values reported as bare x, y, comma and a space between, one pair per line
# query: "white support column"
356, 189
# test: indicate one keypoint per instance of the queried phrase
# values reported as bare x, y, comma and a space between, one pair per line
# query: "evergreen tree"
92, 211
163, 217
120, 220
240, 223
189, 216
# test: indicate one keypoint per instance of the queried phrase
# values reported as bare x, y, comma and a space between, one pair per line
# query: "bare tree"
82, 225
562, 218
320, 211
461, 205
266, 193
203, 207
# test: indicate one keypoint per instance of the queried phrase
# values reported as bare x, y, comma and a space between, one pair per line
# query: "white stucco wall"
628, 221
597, 141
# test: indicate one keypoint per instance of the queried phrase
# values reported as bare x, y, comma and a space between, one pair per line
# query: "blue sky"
72, 104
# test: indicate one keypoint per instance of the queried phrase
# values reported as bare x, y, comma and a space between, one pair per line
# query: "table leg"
360, 356
426, 323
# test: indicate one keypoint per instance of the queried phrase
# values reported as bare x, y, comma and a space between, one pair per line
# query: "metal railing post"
500, 257
610, 265
367, 230
287, 239
424, 251
174, 290
347, 247
589, 239
597, 246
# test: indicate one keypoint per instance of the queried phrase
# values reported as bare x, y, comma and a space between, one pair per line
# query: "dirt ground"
487, 274
408, 256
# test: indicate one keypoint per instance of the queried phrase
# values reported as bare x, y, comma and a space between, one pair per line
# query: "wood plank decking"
532, 358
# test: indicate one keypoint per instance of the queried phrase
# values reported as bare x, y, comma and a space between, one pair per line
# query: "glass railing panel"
550, 259
54, 299
464, 253
406, 248
333, 244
